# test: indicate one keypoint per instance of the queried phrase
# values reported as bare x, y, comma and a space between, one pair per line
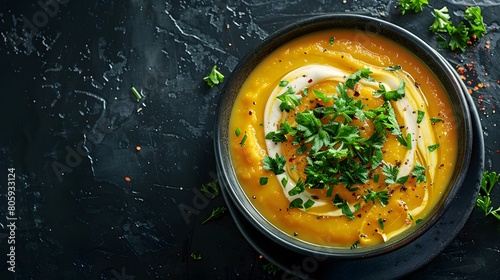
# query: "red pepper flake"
310, 81
497, 151
127, 179
138, 148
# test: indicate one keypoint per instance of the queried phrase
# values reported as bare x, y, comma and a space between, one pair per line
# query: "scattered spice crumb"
127, 179
138, 148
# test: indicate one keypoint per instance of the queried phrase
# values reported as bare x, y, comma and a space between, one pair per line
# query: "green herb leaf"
270, 268
355, 77
391, 173
475, 18
298, 188
381, 223
284, 181
296, 203
344, 206
392, 94
283, 83
436, 120
263, 181
237, 132
275, 165
419, 173
412, 5
459, 36
216, 212
393, 68
322, 96
355, 245
289, 100
401, 180
332, 40
488, 181
309, 203
212, 189
373, 196
432, 148
441, 20
137, 95
280, 135
420, 116
214, 78
196, 256
242, 142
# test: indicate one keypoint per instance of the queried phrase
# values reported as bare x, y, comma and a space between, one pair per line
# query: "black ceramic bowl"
456, 91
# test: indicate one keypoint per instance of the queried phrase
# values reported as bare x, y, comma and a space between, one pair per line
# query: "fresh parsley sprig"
458, 37
211, 189
214, 78
275, 164
488, 181
412, 5
216, 212
289, 100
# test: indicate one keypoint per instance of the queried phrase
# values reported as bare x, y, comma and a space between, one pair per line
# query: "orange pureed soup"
342, 138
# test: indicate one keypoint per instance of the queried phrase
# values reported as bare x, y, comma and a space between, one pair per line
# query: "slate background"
70, 127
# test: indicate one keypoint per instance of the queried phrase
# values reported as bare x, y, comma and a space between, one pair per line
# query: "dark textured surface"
71, 127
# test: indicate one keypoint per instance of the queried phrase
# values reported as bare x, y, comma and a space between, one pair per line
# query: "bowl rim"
323, 22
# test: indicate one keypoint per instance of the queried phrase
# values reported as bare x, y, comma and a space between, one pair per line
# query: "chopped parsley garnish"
214, 78
392, 94
391, 174
136, 94
436, 120
300, 187
283, 83
332, 40
275, 165
335, 153
393, 68
412, 5
344, 206
355, 77
237, 132
284, 181
196, 256
289, 100
432, 148
381, 223
459, 36
242, 143
263, 181
420, 116
419, 173
355, 245
270, 268
296, 203
441, 20
211, 189
476, 23
309, 203
488, 181
373, 196
216, 212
